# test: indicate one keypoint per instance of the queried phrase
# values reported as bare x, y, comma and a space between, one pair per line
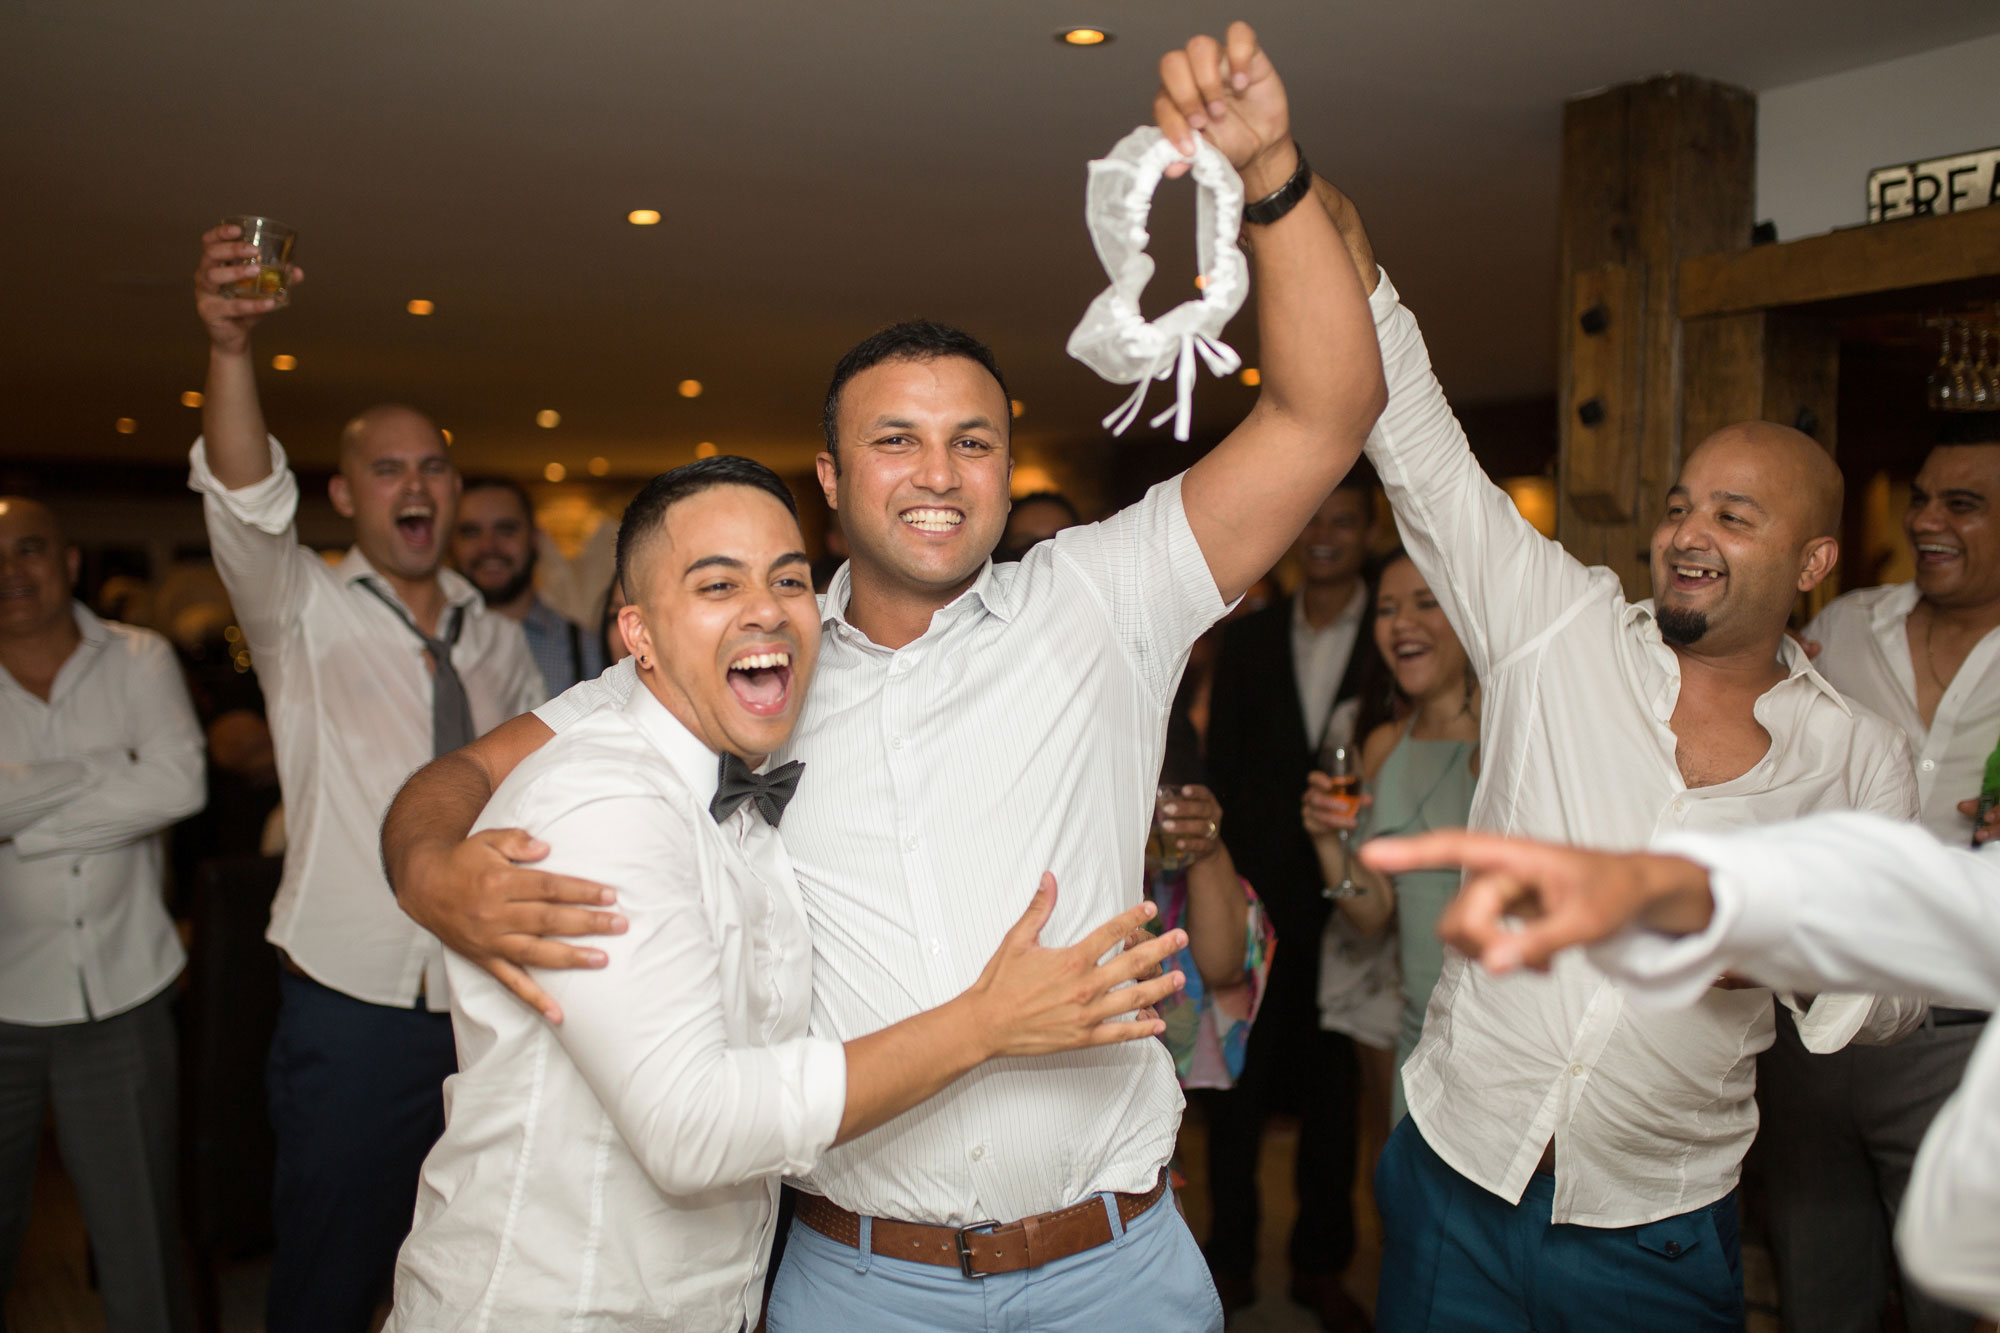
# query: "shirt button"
896, 743
937, 947
910, 843
1673, 1249
1576, 1071
1680, 807
979, 1152
1928, 765
79, 923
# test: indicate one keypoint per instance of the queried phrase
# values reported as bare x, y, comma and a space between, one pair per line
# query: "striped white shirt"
1022, 732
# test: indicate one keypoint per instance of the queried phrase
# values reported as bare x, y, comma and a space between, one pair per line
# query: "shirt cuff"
824, 1078
1752, 902
268, 505
1382, 302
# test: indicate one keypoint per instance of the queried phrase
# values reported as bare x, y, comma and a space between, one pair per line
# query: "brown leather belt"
982, 1249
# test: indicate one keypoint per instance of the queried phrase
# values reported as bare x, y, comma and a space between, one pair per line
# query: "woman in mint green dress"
1419, 765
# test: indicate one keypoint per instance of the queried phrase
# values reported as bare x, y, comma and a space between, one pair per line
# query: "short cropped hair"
1056, 498
648, 511
912, 340
507, 484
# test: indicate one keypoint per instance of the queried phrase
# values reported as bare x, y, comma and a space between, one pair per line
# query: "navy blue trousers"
357, 1100
1457, 1259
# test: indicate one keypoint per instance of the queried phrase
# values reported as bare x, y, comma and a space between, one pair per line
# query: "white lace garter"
1113, 338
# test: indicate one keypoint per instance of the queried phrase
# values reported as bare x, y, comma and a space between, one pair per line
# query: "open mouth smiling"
938, 522
762, 681
416, 524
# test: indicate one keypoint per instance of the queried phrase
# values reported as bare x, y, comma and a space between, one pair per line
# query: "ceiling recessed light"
548, 418
1017, 407
447, 436
555, 472
643, 217
125, 425
420, 307
1083, 36
1251, 376
690, 388
706, 449
284, 361
192, 398
599, 466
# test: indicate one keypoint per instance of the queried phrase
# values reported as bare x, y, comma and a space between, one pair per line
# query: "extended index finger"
1452, 848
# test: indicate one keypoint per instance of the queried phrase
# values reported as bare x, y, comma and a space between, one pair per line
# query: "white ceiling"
823, 169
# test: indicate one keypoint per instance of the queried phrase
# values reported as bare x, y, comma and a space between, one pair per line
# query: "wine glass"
1341, 765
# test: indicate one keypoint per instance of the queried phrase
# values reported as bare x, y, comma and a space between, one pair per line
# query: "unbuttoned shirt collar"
688, 753
1797, 664
354, 567
984, 594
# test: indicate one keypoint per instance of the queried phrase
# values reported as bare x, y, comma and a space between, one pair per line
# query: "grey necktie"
451, 713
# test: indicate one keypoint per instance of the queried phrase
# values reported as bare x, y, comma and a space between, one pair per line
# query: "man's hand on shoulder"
479, 898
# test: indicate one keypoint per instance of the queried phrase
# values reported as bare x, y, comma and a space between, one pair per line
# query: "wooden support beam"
1861, 261
1653, 173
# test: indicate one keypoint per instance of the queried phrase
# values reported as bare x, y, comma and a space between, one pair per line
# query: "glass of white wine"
1342, 765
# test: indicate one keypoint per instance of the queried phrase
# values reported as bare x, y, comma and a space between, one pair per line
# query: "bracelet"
1283, 199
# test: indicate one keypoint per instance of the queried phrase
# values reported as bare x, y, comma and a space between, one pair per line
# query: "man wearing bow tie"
626, 1163
971, 725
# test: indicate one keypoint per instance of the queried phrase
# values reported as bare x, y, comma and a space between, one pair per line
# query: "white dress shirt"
1860, 903
620, 1171
1022, 732
88, 780
1866, 654
1650, 1113
348, 692
1320, 657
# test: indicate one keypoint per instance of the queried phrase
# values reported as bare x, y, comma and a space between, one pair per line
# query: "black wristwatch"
1283, 199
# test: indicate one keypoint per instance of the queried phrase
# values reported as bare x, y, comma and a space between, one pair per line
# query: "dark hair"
1056, 498
648, 510
1382, 699
912, 340
507, 484
1361, 478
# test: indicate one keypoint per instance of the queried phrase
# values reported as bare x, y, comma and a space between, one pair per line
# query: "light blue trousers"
1150, 1277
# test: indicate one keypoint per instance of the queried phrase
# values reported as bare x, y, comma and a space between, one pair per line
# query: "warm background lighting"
192, 398
284, 361
1201, 282
706, 449
642, 217
548, 418
1017, 407
555, 472
1251, 377
420, 307
1084, 36
599, 466
690, 388
125, 425
447, 436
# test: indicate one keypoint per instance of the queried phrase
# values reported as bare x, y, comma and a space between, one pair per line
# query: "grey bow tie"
771, 792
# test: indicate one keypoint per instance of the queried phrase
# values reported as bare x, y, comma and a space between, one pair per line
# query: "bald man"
1568, 1161
99, 753
371, 667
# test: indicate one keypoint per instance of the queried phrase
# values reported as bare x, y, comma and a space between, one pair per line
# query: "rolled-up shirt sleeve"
648, 1031
253, 536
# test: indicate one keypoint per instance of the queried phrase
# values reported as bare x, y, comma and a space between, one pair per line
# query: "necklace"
1930, 657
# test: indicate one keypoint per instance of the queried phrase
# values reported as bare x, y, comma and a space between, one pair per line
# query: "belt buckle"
965, 1251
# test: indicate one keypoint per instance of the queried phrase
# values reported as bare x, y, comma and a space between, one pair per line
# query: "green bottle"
1989, 793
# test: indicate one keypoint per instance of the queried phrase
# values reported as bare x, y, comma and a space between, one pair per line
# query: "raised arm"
232, 420
472, 893
1322, 375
